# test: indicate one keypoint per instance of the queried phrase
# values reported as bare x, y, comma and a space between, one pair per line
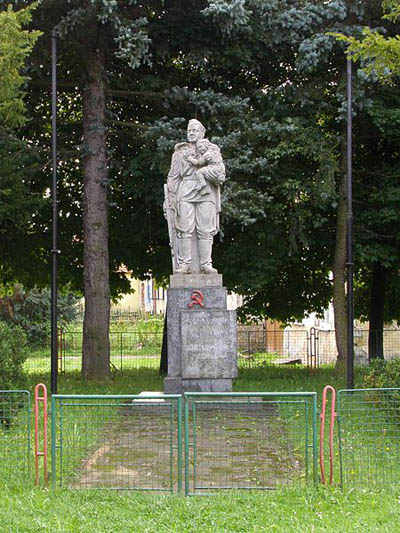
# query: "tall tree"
377, 224
266, 80
19, 201
378, 55
97, 31
96, 344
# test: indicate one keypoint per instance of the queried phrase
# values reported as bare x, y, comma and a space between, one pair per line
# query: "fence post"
179, 415
59, 348
186, 422
38, 453
314, 417
312, 358
317, 361
53, 440
120, 350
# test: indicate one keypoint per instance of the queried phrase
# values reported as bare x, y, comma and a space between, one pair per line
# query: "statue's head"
195, 131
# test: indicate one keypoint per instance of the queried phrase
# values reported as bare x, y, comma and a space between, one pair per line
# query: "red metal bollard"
322, 433
43, 453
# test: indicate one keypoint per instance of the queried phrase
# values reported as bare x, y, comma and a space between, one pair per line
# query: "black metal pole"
350, 265
54, 250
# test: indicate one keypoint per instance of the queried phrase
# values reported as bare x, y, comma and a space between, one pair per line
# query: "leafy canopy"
379, 54
15, 46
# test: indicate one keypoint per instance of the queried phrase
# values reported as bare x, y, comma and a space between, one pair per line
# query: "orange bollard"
322, 433
43, 453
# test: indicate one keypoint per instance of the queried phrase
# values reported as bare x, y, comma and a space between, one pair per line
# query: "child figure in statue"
210, 157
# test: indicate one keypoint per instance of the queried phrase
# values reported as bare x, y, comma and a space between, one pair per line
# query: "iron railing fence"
312, 347
249, 441
142, 349
369, 437
259, 346
128, 350
117, 442
15, 436
117, 315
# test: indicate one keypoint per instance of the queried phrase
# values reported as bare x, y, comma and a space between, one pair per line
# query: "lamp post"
349, 233
54, 250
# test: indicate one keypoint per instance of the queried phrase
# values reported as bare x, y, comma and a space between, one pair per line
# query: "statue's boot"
184, 256
205, 249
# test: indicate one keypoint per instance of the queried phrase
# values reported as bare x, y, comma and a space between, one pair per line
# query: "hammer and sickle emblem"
197, 299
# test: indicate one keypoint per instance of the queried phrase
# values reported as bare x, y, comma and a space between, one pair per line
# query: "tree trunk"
339, 267
376, 312
96, 342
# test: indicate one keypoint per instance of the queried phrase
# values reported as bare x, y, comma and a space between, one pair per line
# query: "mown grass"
271, 378
314, 510
264, 378
26, 509
132, 381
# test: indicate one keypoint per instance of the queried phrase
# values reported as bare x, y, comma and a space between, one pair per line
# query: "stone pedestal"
202, 336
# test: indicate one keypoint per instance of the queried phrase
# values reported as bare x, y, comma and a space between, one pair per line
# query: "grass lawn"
303, 509
314, 510
262, 379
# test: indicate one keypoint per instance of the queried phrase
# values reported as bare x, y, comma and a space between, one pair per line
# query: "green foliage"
15, 45
13, 353
128, 35
30, 310
382, 374
21, 199
150, 324
269, 84
229, 16
392, 9
379, 54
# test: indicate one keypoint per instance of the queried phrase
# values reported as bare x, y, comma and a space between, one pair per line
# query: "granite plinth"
209, 344
202, 341
194, 281
178, 300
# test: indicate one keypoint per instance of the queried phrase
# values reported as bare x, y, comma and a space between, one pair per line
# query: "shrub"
30, 309
150, 324
382, 374
13, 353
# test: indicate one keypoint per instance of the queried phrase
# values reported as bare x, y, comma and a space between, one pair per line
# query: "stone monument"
201, 331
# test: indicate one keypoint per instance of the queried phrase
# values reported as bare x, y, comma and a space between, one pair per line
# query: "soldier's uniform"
194, 210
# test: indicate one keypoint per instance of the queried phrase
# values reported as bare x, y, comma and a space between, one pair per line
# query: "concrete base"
201, 339
209, 344
179, 385
195, 281
178, 300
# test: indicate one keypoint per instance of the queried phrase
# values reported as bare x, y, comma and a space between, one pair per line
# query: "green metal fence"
249, 440
228, 440
15, 436
369, 437
119, 442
